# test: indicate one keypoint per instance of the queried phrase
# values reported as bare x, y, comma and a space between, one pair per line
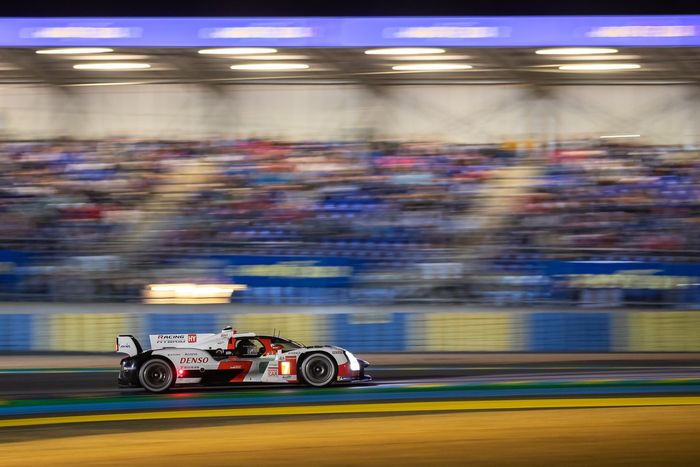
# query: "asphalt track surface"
58, 382
45, 393
635, 412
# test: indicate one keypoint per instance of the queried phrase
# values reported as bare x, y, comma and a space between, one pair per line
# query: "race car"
231, 357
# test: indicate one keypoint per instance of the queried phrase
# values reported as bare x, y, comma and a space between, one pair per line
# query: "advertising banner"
624, 274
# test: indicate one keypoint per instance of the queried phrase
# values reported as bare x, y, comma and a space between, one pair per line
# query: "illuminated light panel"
83, 32
600, 67
238, 51
577, 51
427, 57
461, 32
270, 66
405, 51
118, 83
259, 32
108, 57
190, 293
580, 58
75, 50
644, 31
272, 57
620, 136
432, 67
112, 66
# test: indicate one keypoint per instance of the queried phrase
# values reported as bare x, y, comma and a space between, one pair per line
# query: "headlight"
354, 364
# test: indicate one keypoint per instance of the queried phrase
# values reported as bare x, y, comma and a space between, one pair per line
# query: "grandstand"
313, 165
409, 220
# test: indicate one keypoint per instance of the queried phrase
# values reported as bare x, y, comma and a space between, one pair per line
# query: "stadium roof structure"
649, 49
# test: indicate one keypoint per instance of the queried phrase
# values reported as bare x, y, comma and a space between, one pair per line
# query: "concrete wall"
456, 113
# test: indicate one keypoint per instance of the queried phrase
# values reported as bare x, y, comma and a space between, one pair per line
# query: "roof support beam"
363, 78
30, 65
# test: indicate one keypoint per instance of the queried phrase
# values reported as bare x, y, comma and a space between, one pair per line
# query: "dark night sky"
341, 7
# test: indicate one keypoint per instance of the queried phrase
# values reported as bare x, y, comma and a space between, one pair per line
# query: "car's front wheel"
318, 370
156, 375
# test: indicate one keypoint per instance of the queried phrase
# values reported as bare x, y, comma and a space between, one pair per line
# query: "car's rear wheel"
156, 375
318, 370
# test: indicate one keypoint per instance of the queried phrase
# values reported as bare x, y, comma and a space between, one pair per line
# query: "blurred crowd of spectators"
85, 204
636, 200
102, 219
67, 195
612, 205
347, 199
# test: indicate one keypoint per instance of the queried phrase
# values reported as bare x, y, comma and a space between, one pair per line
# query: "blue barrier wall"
363, 329
568, 332
15, 332
363, 332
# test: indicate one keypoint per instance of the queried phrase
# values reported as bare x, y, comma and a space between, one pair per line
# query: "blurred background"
529, 197
498, 213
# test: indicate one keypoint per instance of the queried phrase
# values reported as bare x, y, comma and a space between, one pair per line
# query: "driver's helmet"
246, 346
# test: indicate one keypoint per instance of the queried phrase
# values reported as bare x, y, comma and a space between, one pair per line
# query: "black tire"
156, 375
318, 370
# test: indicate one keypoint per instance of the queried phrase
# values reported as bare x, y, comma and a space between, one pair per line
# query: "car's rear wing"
217, 340
128, 344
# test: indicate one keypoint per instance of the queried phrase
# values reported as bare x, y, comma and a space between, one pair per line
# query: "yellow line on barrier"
392, 407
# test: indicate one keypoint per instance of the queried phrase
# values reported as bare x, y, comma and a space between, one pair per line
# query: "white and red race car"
231, 357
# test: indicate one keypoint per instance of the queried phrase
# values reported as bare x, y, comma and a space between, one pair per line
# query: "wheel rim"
157, 375
319, 370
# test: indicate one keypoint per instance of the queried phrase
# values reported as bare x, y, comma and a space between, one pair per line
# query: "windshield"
286, 344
